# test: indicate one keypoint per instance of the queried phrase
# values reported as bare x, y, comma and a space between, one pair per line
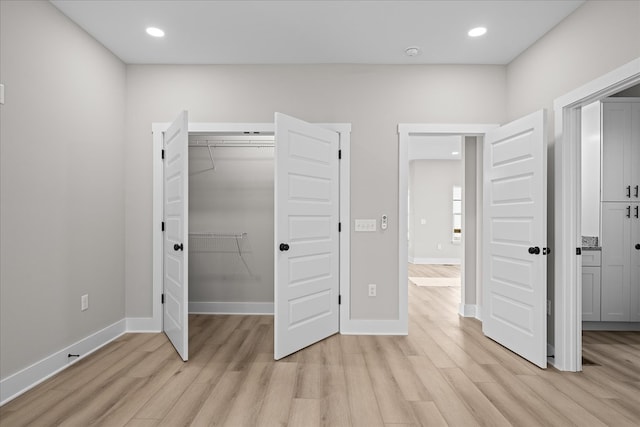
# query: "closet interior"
231, 222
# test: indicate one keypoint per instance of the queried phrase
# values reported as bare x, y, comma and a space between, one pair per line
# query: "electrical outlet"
548, 307
84, 302
372, 290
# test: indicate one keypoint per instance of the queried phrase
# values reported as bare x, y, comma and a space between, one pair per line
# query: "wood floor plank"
577, 414
428, 415
362, 400
216, 407
246, 405
280, 392
449, 404
304, 413
334, 405
485, 413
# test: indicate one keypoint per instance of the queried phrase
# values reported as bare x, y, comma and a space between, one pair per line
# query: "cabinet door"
616, 271
635, 151
591, 293
616, 151
635, 263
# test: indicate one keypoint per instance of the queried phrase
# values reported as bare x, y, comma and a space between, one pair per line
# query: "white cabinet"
590, 285
620, 299
621, 150
635, 264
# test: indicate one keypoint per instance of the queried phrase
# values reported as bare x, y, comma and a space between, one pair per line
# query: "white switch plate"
1, 93
84, 302
366, 225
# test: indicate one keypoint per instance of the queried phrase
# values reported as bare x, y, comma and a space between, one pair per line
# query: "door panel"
176, 203
306, 282
514, 283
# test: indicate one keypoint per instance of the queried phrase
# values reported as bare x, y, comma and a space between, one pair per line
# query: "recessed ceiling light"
412, 51
155, 32
455, 153
477, 32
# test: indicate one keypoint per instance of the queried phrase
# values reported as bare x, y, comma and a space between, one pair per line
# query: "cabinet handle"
628, 191
628, 211
636, 190
636, 211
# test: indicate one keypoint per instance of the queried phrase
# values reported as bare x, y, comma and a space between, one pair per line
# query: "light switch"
1, 93
365, 225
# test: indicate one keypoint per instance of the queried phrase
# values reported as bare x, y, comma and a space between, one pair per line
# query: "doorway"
568, 236
307, 170
511, 231
435, 211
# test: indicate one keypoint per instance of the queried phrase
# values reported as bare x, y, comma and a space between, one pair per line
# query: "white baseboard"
611, 326
18, 383
230, 307
374, 327
468, 310
453, 261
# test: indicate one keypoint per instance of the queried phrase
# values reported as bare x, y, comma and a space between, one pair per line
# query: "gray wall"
235, 197
597, 38
373, 98
431, 189
61, 193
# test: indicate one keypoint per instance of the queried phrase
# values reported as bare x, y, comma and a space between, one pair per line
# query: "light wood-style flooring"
445, 372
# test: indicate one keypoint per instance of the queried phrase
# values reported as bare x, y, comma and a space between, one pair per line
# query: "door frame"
405, 130
567, 199
158, 129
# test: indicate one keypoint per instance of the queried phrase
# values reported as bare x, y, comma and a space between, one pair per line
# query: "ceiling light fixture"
455, 153
412, 51
477, 32
155, 32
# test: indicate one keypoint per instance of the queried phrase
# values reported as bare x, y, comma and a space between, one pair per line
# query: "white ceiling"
312, 32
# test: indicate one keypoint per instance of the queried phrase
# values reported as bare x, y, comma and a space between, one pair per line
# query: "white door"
306, 234
515, 235
176, 204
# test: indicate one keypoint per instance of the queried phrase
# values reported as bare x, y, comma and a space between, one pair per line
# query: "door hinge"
339, 299
163, 154
339, 154
162, 225
339, 227
162, 299
578, 251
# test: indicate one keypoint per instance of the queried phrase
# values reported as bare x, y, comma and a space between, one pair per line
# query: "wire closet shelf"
215, 242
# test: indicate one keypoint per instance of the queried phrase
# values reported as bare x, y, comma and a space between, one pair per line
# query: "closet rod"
218, 145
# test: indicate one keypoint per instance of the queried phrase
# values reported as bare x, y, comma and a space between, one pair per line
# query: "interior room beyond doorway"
435, 210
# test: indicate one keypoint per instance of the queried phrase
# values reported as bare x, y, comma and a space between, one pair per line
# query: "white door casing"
175, 251
306, 285
514, 279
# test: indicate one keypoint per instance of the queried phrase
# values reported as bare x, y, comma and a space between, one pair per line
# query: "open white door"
515, 235
306, 285
175, 257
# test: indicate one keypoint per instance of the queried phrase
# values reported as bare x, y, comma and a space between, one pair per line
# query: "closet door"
306, 284
176, 194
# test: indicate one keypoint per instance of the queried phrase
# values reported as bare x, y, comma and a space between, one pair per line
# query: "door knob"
284, 247
638, 246
534, 250
178, 247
